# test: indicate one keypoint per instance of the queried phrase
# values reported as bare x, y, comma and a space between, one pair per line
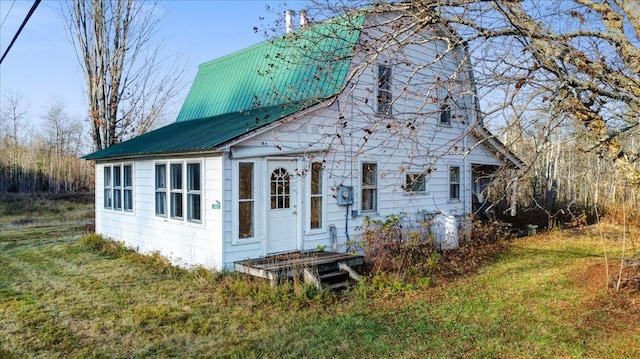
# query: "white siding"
342, 135
412, 140
183, 242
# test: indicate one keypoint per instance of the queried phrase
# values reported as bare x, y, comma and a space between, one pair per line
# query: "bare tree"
61, 133
128, 84
544, 71
13, 125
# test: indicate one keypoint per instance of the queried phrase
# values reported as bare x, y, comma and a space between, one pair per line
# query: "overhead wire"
24, 22
8, 12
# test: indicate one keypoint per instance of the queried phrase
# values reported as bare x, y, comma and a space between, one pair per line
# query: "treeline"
41, 153
568, 183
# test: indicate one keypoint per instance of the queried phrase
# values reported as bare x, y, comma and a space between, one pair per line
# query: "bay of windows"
175, 184
118, 187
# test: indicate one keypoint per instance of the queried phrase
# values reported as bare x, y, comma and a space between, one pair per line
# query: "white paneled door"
281, 205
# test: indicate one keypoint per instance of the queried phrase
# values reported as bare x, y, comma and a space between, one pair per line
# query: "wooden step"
339, 286
333, 276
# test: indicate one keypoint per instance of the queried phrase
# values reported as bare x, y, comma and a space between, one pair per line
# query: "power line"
8, 12
24, 22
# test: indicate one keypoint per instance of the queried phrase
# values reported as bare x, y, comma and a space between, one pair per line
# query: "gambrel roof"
241, 92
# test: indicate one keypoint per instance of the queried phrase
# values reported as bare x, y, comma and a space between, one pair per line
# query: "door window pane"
280, 189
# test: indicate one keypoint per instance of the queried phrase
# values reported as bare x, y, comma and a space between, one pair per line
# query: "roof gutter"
161, 155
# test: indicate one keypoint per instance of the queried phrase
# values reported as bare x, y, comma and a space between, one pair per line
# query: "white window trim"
130, 188
235, 195
444, 99
460, 181
189, 192
406, 189
185, 192
113, 188
108, 187
376, 75
323, 196
165, 191
172, 191
376, 187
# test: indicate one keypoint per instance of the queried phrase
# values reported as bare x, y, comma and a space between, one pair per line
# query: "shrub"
108, 247
399, 247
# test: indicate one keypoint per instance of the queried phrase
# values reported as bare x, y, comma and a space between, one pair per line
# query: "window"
161, 190
246, 200
384, 97
369, 187
127, 182
176, 190
280, 189
415, 182
108, 200
445, 113
118, 187
193, 192
454, 182
177, 185
444, 109
316, 195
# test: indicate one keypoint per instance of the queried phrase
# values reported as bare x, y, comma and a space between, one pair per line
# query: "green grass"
63, 296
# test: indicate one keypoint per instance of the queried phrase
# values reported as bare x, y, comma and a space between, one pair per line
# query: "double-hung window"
369, 184
108, 199
454, 183
176, 190
117, 188
127, 184
316, 195
194, 207
161, 190
415, 183
246, 200
445, 113
444, 109
384, 95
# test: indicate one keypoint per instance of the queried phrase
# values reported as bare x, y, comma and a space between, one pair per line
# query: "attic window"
445, 110
384, 90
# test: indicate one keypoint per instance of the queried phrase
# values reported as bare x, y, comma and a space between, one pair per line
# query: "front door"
281, 206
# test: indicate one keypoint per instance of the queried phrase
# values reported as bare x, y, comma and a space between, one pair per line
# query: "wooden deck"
287, 265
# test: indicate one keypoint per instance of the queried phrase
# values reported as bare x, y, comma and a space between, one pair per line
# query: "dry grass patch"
539, 297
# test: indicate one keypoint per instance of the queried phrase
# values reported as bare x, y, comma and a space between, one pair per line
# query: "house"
287, 145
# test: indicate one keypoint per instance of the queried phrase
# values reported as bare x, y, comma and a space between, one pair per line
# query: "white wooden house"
287, 145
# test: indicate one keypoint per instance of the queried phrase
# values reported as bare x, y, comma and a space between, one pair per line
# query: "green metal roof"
197, 135
251, 88
307, 65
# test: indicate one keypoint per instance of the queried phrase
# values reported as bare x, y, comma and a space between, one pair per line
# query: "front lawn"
543, 297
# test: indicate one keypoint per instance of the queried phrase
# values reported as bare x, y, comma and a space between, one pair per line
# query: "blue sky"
42, 63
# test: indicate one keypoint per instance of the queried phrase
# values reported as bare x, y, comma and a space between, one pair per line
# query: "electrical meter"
345, 195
